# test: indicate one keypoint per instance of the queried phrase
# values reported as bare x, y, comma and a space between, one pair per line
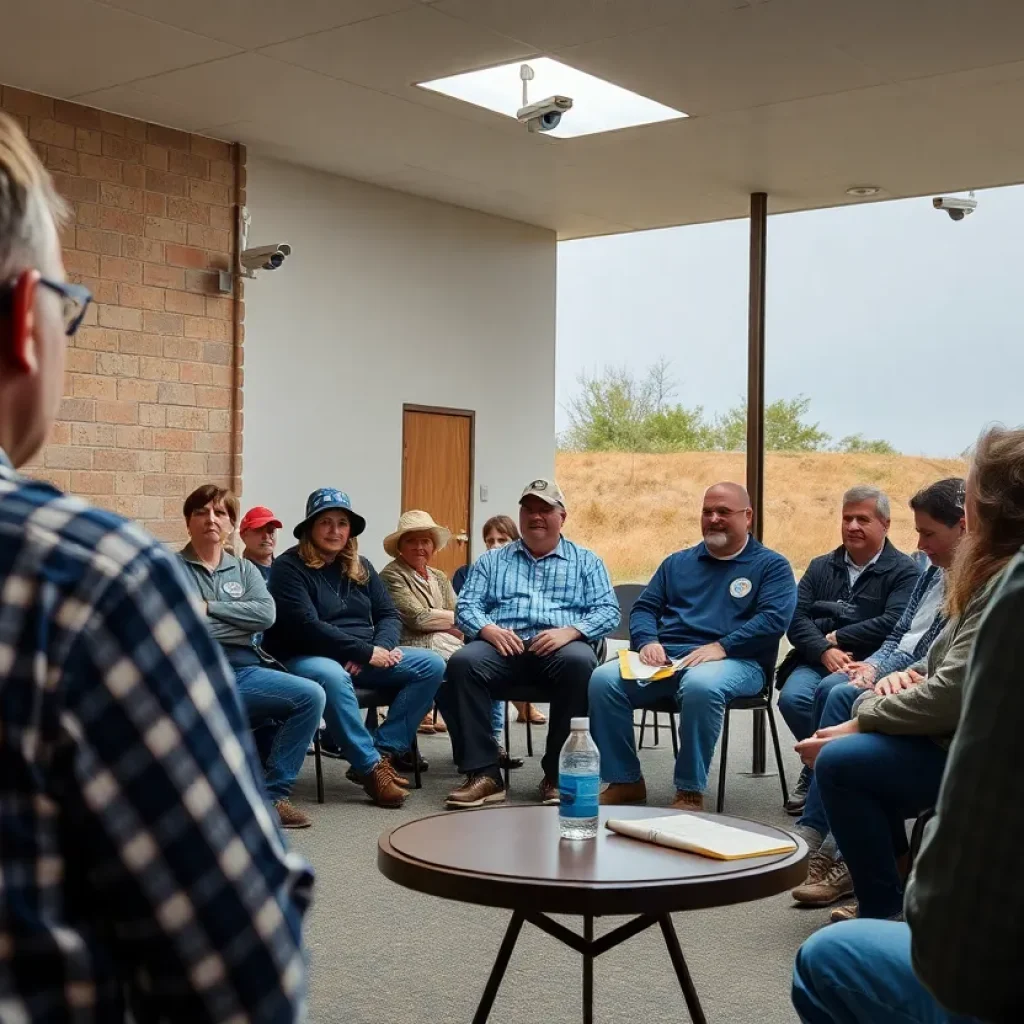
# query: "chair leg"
417, 781
643, 726
657, 733
318, 764
675, 733
529, 730
508, 749
722, 763
371, 720
778, 754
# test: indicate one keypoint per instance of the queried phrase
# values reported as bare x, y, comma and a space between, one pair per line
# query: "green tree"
856, 444
784, 428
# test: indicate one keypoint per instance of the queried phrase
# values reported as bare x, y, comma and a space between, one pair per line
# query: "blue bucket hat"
326, 498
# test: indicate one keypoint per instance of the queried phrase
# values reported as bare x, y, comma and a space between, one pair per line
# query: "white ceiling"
798, 98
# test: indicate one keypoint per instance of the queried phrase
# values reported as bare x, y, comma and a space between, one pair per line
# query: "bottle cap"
580, 724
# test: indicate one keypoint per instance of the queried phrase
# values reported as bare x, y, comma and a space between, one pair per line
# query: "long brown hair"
502, 524
348, 558
995, 515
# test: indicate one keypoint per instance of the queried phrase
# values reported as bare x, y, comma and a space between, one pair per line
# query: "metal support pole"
755, 405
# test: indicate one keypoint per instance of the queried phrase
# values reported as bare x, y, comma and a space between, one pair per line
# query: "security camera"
956, 206
545, 115
266, 257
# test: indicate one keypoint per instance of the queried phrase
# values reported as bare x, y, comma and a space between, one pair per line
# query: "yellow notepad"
631, 667
701, 835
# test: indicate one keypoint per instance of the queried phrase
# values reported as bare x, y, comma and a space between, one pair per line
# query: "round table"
513, 857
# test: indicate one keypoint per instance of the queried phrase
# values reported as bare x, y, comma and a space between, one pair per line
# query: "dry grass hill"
633, 510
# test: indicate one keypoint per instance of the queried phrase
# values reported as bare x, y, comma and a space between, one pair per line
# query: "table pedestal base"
589, 947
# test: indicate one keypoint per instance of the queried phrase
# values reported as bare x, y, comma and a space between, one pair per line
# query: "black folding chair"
370, 701
759, 703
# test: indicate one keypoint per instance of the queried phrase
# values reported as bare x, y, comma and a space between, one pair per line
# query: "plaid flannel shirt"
141, 872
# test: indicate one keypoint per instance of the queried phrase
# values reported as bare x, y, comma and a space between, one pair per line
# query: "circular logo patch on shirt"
234, 589
740, 587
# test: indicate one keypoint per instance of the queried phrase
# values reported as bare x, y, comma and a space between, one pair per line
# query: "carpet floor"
381, 954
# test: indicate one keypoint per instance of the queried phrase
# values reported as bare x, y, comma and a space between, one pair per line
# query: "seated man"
939, 519
532, 612
238, 608
258, 530
847, 604
723, 606
959, 951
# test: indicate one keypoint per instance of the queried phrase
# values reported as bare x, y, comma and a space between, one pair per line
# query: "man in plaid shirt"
142, 876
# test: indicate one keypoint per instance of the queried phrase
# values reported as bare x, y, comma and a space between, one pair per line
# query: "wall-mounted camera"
956, 206
545, 115
266, 257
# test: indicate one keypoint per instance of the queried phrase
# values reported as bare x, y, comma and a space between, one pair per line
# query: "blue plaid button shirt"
510, 588
141, 871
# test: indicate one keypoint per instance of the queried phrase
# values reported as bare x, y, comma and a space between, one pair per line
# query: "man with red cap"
258, 530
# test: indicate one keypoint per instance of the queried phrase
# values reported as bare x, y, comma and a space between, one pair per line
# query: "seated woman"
884, 765
335, 625
499, 531
238, 609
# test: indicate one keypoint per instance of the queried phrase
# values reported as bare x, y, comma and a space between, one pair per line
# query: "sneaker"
846, 913
795, 804
687, 801
291, 816
328, 748
381, 787
827, 881
549, 792
476, 791
811, 836
625, 793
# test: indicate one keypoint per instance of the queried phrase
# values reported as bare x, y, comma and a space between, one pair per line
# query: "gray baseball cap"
547, 490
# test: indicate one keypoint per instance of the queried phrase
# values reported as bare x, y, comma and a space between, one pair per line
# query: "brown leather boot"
381, 788
291, 816
476, 791
687, 801
400, 779
625, 793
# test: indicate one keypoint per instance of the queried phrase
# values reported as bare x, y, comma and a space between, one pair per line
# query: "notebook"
631, 667
701, 835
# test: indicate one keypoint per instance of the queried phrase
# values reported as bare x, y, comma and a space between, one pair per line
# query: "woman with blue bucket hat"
336, 624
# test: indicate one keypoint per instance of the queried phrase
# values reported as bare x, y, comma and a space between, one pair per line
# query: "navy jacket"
744, 603
320, 612
861, 616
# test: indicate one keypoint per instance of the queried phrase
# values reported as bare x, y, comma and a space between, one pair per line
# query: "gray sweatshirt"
238, 605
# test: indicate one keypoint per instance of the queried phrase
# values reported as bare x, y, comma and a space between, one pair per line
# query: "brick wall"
153, 393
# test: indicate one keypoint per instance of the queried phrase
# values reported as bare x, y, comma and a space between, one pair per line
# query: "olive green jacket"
932, 708
422, 625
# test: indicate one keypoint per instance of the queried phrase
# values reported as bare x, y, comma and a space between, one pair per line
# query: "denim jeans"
869, 784
859, 972
838, 709
803, 696
418, 675
498, 719
294, 705
701, 694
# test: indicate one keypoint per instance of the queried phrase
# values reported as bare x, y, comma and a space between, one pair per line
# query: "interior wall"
390, 299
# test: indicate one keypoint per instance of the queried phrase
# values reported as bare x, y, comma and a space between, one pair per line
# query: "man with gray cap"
532, 611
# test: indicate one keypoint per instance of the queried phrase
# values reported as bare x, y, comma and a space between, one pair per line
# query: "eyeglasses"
75, 298
721, 513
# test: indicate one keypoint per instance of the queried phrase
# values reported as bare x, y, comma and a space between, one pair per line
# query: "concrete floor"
381, 954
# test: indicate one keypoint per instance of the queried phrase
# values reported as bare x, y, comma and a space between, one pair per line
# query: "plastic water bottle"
579, 783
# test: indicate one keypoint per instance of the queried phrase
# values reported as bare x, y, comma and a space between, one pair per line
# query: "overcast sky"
895, 321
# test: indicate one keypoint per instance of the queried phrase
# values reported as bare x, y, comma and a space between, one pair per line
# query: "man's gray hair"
28, 202
865, 492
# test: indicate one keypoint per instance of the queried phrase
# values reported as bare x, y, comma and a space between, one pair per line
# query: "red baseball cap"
258, 517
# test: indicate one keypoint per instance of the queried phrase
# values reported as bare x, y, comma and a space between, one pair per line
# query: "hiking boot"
687, 801
848, 912
625, 793
795, 804
477, 790
400, 779
506, 760
549, 792
291, 816
827, 881
381, 787
353, 776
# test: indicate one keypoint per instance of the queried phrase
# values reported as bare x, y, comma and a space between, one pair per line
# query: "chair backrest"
627, 593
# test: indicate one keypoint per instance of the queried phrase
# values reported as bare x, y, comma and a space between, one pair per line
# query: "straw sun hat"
412, 522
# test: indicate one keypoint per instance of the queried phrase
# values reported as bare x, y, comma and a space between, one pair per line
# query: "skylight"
597, 105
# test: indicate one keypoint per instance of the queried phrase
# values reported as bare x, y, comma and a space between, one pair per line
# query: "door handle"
462, 537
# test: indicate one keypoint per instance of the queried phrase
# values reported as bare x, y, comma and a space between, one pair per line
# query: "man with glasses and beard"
721, 606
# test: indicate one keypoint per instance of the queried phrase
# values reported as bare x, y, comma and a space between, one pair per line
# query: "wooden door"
437, 475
